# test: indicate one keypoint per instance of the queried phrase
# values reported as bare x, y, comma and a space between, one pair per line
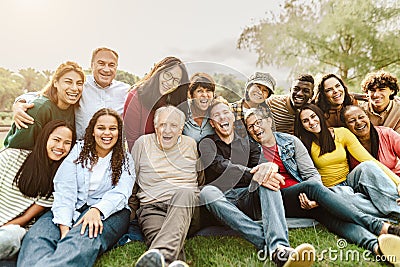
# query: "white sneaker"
151, 258
178, 263
390, 247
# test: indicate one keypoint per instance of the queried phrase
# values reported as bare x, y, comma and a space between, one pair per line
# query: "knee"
314, 185
185, 196
209, 194
367, 166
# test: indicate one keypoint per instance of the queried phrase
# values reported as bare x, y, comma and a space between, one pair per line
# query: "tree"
10, 87
47, 74
228, 86
126, 77
350, 38
33, 80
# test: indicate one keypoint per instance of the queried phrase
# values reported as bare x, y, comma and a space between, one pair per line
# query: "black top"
228, 165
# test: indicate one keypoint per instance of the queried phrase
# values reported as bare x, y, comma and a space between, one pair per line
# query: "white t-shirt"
98, 172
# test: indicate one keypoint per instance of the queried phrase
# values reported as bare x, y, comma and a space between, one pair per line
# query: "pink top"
389, 149
138, 120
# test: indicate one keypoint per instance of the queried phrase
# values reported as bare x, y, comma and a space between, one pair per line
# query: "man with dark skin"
284, 107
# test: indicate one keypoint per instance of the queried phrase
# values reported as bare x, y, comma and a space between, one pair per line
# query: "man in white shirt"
100, 91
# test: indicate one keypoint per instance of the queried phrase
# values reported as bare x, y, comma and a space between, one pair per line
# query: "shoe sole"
303, 256
150, 259
390, 247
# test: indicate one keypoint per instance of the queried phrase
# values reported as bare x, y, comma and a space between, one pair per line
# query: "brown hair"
320, 99
378, 80
148, 87
50, 90
201, 79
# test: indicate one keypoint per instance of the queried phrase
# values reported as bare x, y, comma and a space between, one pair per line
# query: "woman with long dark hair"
165, 84
26, 179
91, 191
331, 97
329, 147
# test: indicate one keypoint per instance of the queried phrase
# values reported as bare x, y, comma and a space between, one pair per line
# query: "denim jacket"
192, 129
295, 158
71, 189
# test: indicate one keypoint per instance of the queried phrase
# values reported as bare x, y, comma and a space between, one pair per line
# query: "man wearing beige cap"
258, 88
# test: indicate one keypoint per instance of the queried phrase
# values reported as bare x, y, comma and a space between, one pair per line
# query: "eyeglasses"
258, 123
168, 76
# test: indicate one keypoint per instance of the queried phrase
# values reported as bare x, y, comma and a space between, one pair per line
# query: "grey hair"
170, 109
260, 112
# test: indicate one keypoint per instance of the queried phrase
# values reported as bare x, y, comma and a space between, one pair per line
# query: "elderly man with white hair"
167, 180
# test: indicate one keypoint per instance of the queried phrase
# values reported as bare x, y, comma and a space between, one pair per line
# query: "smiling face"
105, 134
69, 89
222, 120
258, 93
170, 79
310, 121
104, 67
380, 98
357, 121
59, 143
259, 128
334, 92
168, 128
202, 98
300, 93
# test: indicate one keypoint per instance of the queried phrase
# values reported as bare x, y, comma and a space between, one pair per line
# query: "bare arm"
63, 230
28, 215
21, 118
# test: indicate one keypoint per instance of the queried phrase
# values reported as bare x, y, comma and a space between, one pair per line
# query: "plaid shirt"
237, 109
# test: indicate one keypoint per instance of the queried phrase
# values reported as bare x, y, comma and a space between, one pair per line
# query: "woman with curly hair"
56, 101
331, 97
383, 107
27, 183
165, 84
91, 190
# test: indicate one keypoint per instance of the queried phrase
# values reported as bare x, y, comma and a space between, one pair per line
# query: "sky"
44, 33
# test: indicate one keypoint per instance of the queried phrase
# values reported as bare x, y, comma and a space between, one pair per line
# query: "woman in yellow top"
329, 147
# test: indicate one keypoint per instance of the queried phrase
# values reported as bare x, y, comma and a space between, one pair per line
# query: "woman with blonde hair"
56, 101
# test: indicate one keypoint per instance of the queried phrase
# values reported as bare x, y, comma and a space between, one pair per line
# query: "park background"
232, 38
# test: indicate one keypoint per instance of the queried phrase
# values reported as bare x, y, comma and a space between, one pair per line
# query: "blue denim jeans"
336, 213
42, 246
371, 181
134, 234
238, 208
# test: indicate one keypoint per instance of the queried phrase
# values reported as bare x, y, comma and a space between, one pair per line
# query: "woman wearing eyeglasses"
166, 83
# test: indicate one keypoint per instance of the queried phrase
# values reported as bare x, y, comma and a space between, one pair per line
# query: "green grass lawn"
235, 251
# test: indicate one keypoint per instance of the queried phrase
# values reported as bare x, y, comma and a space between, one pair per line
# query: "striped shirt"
282, 112
12, 202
